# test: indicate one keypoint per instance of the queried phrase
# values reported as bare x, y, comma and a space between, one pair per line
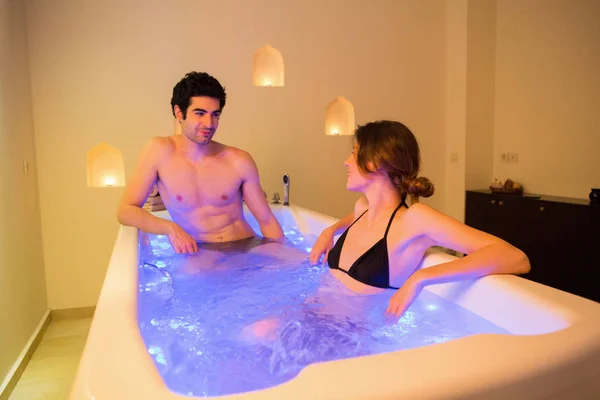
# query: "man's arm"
138, 188
253, 195
141, 182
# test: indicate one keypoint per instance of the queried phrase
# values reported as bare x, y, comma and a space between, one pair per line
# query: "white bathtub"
553, 354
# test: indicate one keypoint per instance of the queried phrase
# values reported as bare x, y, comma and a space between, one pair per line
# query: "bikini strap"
404, 195
358, 218
392, 218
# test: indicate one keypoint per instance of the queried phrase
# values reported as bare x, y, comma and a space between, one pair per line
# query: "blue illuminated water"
250, 315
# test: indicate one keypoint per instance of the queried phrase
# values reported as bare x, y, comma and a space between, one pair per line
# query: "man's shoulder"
235, 154
241, 160
160, 145
162, 141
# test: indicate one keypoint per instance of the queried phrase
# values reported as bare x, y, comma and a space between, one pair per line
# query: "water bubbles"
258, 315
161, 359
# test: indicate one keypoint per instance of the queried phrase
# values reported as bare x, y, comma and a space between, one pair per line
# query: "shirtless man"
201, 182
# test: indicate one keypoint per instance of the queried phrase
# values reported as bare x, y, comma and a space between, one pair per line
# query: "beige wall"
471, 47
104, 71
547, 95
471, 78
480, 91
456, 106
22, 283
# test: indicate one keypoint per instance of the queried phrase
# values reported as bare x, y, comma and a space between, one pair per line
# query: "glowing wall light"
105, 167
268, 67
339, 117
109, 180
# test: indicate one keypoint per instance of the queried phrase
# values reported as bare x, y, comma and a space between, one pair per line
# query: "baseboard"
68, 313
16, 371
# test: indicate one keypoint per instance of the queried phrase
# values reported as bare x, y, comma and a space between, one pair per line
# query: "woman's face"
357, 179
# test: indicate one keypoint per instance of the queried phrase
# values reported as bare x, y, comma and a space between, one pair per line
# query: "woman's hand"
322, 246
404, 296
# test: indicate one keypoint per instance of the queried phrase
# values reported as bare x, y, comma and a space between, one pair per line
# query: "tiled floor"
52, 368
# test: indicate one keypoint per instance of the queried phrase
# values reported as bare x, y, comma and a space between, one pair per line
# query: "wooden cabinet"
560, 236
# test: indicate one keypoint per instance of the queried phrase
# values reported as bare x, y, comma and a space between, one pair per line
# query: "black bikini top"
371, 268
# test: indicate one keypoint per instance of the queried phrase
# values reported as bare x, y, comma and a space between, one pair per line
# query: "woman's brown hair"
392, 148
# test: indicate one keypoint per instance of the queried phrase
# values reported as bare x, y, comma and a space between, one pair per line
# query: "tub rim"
116, 365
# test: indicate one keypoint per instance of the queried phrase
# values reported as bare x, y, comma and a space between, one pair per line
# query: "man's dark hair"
196, 84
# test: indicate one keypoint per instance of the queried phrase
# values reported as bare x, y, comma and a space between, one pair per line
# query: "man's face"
201, 119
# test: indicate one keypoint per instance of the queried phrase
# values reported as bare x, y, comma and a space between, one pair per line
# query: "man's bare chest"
191, 185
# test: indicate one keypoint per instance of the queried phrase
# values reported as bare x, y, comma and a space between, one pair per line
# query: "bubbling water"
251, 314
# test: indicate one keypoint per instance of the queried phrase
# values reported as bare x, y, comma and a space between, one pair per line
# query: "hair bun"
420, 187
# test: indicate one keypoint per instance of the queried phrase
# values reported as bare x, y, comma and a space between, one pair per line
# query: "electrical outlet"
513, 157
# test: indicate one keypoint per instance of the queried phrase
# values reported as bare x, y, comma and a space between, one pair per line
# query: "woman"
384, 240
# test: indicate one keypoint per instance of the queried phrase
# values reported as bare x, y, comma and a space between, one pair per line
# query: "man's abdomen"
210, 225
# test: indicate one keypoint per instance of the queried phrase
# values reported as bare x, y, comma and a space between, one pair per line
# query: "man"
202, 182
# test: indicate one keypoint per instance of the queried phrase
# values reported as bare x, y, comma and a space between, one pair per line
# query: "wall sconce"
268, 68
105, 167
339, 117
110, 181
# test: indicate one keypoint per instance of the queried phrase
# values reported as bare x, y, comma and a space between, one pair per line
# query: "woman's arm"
486, 254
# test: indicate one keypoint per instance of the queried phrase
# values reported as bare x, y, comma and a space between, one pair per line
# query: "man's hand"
181, 241
322, 247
